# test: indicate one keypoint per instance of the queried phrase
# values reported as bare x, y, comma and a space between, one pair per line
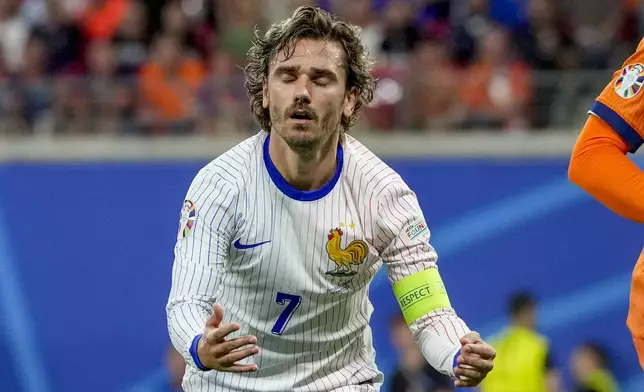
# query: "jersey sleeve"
203, 240
407, 253
599, 165
404, 233
621, 103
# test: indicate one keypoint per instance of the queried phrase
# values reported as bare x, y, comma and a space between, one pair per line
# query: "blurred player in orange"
600, 166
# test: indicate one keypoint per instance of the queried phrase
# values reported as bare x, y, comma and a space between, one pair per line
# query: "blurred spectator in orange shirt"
101, 18
497, 87
169, 82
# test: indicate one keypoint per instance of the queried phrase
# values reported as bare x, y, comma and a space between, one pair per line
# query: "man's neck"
522, 325
305, 171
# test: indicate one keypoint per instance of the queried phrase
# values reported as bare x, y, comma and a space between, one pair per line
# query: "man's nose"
302, 93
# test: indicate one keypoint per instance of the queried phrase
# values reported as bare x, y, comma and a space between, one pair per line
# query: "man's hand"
475, 362
215, 352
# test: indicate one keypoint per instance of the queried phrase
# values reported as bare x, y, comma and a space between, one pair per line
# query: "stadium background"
109, 107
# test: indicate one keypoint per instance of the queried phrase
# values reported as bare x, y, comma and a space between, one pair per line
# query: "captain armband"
420, 294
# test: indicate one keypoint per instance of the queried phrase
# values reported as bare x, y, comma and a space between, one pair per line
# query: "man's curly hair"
312, 23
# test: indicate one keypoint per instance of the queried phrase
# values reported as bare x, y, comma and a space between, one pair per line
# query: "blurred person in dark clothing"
546, 43
32, 86
204, 20
63, 39
111, 96
413, 374
434, 18
469, 30
590, 368
525, 359
176, 23
131, 39
595, 29
400, 34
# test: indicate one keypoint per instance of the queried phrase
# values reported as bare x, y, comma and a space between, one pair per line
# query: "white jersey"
293, 268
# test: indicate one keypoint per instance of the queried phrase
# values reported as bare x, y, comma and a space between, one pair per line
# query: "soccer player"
281, 235
599, 164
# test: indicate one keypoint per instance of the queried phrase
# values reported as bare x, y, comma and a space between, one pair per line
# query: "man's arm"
599, 165
413, 272
202, 247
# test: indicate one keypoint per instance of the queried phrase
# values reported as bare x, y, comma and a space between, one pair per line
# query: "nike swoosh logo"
239, 245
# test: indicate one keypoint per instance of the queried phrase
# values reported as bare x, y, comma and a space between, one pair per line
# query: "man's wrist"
194, 353
440, 352
455, 361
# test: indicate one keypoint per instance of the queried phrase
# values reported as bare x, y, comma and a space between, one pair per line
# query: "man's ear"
265, 100
350, 100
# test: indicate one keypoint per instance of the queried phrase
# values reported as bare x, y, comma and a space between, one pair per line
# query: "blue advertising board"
86, 254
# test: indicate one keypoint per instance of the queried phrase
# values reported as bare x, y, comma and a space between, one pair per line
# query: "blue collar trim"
297, 194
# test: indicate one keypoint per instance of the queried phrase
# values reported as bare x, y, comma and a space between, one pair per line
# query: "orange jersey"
600, 166
616, 126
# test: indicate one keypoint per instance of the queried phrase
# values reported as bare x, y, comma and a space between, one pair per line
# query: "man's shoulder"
236, 164
369, 170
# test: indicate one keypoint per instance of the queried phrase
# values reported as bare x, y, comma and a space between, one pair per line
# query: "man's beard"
306, 137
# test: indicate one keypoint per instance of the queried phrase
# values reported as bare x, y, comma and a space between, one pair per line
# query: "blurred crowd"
157, 67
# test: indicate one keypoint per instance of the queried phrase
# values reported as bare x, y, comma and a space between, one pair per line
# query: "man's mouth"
301, 116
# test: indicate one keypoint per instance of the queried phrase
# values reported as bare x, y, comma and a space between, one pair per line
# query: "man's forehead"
317, 52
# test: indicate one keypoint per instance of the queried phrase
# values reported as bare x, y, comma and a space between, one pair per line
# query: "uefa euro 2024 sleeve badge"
629, 83
187, 221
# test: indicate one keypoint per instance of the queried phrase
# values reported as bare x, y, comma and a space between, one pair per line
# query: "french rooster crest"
354, 253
